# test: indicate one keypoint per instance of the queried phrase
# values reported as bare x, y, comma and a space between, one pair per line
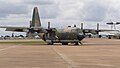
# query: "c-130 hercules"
53, 35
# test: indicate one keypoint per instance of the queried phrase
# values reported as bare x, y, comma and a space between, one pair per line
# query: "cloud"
92, 10
49, 11
39, 2
95, 11
113, 12
7, 9
60, 11
101, 10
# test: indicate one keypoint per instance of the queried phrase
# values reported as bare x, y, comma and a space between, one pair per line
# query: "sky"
60, 13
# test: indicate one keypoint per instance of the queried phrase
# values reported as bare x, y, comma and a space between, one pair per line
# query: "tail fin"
35, 18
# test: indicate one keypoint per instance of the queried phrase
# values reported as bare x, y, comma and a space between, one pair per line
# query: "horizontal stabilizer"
16, 29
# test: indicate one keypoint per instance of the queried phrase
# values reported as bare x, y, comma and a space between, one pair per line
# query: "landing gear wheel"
76, 43
81, 43
51, 43
109, 37
64, 43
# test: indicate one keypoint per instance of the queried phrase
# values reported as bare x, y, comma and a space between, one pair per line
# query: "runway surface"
94, 53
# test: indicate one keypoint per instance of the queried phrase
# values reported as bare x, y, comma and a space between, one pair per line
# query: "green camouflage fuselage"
64, 34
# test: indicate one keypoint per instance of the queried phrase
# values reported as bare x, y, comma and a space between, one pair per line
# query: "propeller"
98, 29
113, 23
110, 23
117, 23
81, 26
48, 25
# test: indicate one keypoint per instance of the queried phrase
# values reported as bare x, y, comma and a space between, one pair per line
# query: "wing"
16, 29
96, 31
24, 29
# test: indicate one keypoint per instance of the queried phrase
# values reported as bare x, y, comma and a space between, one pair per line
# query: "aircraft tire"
76, 43
51, 43
109, 37
81, 43
64, 43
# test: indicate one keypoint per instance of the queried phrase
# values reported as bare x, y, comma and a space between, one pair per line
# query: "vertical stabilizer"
35, 18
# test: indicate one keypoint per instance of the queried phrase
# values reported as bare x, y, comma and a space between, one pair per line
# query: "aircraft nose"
80, 36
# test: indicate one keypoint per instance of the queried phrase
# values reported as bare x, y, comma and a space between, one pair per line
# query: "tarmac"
94, 53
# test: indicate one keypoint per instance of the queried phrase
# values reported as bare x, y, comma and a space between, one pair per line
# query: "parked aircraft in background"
113, 25
114, 34
53, 35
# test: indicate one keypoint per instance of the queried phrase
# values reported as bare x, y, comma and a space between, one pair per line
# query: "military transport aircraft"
113, 25
53, 35
113, 34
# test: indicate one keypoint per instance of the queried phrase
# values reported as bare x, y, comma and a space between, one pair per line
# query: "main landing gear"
51, 42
